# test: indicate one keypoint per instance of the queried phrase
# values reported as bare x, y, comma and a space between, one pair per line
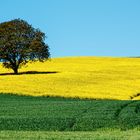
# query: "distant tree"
21, 43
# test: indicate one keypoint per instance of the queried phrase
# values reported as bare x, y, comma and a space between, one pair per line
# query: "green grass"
95, 135
27, 113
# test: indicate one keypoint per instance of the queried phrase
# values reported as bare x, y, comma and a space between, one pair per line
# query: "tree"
21, 43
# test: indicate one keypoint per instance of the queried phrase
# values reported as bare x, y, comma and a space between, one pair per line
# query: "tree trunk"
15, 70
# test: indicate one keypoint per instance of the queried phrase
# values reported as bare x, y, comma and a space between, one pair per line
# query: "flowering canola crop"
83, 77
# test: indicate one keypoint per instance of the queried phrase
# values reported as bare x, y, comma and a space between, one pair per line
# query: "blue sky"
81, 27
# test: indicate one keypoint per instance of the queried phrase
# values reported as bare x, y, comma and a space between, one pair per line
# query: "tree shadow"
31, 72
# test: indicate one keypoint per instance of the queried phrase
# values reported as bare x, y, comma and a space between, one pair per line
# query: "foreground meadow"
41, 118
97, 135
29, 113
83, 77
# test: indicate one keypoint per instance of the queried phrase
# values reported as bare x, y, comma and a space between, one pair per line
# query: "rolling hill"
82, 77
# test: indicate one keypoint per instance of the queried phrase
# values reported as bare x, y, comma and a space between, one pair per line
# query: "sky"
81, 27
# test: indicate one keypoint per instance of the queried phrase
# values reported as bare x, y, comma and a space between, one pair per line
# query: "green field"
95, 135
26, 114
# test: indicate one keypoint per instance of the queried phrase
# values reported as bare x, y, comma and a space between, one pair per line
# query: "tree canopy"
21, 43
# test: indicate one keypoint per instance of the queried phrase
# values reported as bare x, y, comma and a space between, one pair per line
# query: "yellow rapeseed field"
84, 77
